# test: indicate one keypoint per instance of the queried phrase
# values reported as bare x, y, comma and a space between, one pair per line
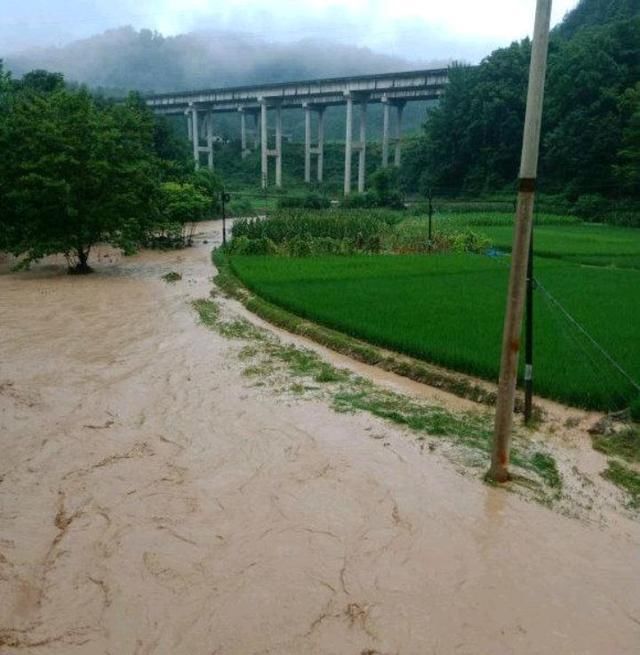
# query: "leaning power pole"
499, 470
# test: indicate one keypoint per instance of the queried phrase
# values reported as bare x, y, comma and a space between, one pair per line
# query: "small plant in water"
172, 277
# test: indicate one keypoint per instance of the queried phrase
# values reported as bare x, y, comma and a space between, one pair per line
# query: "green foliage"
341, 232
208, 183
547, 468
244, 246
183, 203
591, 124
625, 478
180, 207
172, 277
173, 151
624, 443
340, 224
590, 206
42, 81
627, 170
242, 207
74, 172
592, 13
310, 201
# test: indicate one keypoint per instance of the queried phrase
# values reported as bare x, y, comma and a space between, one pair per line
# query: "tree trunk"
82, 266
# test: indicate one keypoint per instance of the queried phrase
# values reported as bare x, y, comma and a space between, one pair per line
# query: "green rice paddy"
448, 308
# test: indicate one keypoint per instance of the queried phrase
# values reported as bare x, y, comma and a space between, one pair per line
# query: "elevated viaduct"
393, 90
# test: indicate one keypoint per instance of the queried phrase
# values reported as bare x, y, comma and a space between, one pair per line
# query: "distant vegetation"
125, 59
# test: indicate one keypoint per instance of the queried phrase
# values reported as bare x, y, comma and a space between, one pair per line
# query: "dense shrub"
283, 225
260, 246
241, 207
590, 206
302, 234
310, 201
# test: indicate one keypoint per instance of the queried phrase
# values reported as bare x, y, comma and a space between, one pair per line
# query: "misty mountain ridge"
124, 58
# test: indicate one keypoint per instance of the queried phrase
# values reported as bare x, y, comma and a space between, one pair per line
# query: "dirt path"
152, 501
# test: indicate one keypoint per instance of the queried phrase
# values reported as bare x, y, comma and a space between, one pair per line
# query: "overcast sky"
415, 29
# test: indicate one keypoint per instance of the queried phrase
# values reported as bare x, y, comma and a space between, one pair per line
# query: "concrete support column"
263, 141
320, 143
362, 155
348, 146
189, 125
396, 160
385, 133
256, 131
210, 140
307, 143
278, 146
243, 133
196, 137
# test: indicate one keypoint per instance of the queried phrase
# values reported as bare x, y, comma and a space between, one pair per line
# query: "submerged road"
153, 501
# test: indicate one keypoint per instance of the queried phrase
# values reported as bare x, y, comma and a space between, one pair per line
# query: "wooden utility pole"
499, 470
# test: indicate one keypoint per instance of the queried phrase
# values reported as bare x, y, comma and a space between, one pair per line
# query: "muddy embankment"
155, 500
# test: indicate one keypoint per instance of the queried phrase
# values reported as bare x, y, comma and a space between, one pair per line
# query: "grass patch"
470, 429
625, 478
546, 467
624, 444
208, 311
172, 277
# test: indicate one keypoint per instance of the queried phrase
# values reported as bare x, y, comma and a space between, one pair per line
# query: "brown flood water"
151, 501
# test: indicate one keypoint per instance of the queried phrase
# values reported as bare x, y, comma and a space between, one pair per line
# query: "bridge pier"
264, 139
256, 130
397, 140
210, 140
199, 130
278, 151
385, 132
187, 115
195, 131
307, 143
243, 133
362, 155
320, 143
263, 144
348, 146
397, 154
360, 147
309, 150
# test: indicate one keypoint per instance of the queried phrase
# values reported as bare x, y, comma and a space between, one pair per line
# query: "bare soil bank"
152, 500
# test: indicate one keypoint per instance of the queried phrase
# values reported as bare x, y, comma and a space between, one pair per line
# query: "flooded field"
152, 500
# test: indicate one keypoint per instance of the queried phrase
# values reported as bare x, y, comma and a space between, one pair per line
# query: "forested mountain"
591, 124
596, 12
125, 59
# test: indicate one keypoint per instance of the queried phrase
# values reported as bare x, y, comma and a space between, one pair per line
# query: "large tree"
74, 172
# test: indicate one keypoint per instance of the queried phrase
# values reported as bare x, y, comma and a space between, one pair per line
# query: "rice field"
448, 308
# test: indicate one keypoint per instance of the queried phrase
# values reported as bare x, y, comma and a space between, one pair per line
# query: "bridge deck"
403, 86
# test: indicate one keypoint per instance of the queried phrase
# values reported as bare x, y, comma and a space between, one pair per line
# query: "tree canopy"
472, 139
77, 170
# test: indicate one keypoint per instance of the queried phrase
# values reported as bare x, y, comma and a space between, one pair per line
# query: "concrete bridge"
393, 90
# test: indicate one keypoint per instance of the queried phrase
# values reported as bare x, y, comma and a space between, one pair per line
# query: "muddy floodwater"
153, 501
